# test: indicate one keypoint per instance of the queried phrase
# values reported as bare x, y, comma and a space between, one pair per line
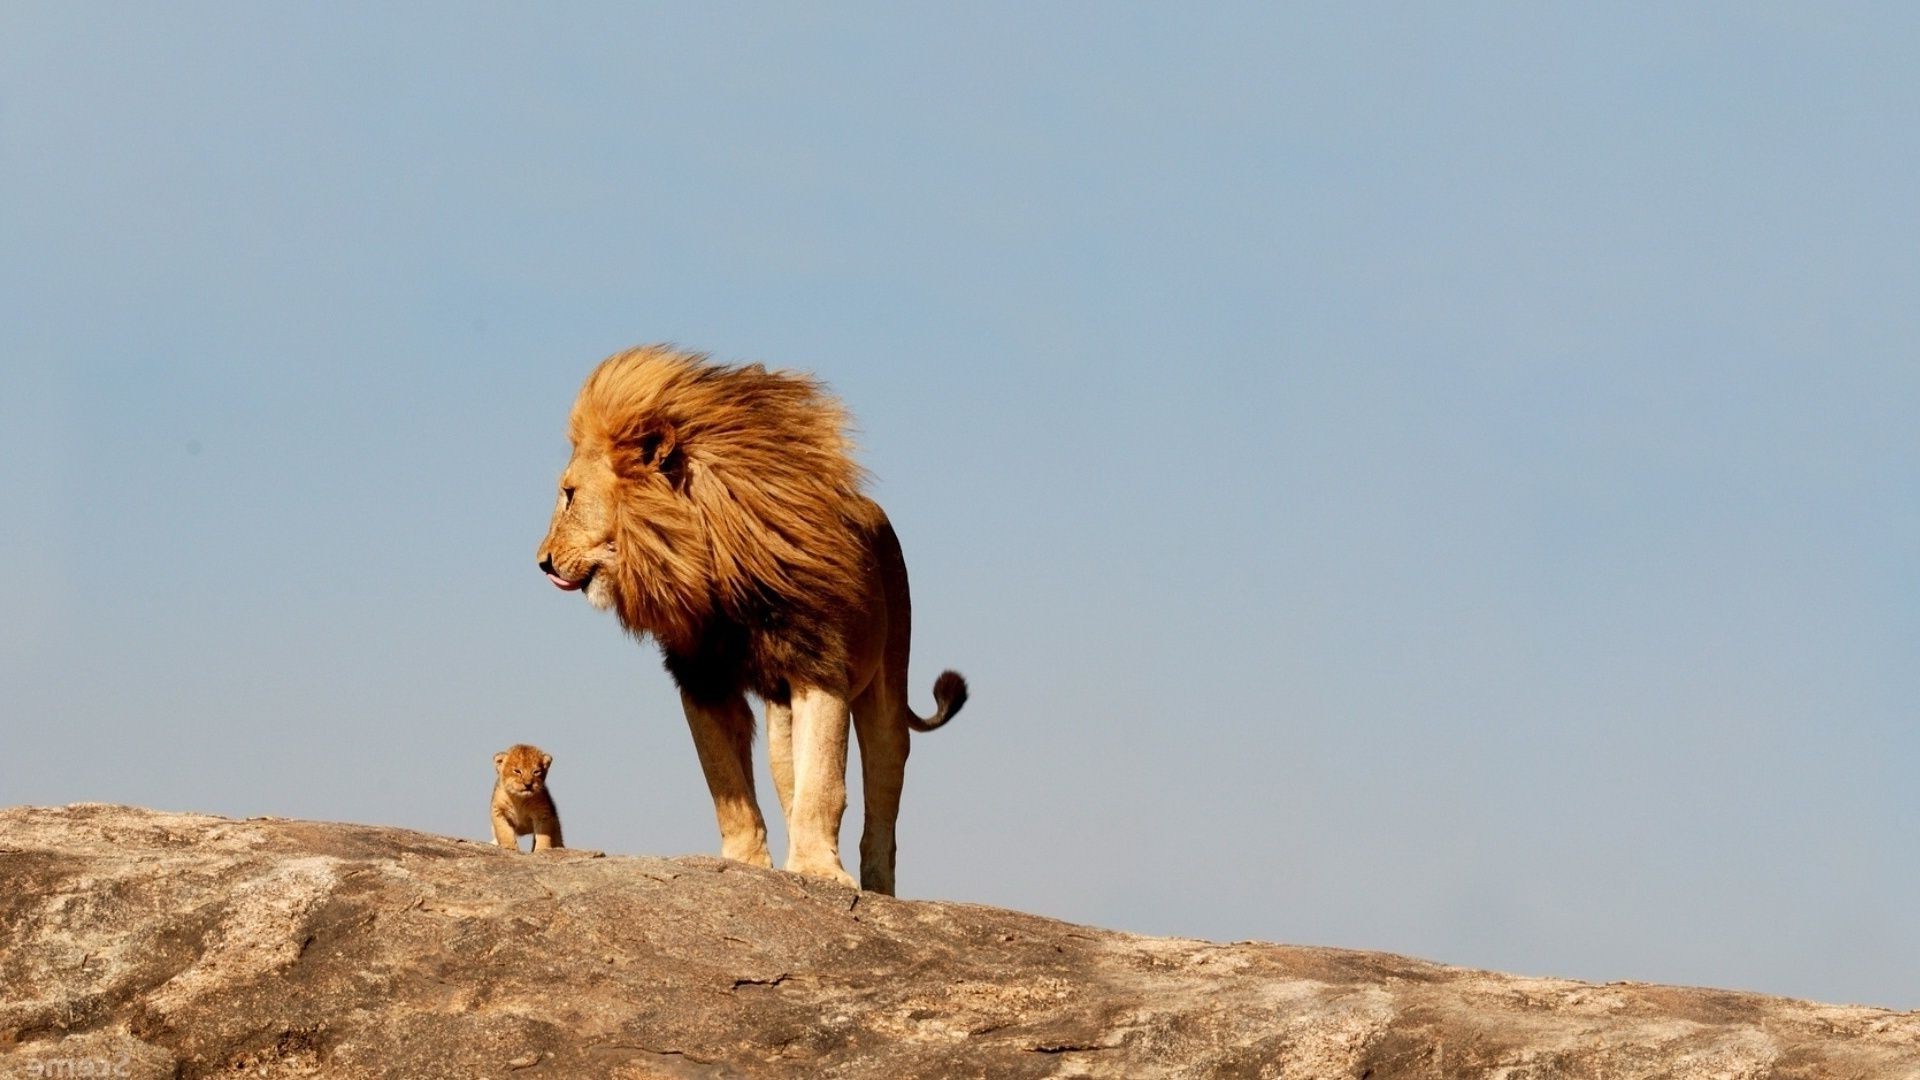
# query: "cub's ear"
546, 761
655, 448
499, 759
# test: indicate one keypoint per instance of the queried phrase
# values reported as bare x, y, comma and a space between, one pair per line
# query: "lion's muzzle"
553, 575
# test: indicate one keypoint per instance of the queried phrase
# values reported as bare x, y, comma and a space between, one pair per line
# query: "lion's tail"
949, 693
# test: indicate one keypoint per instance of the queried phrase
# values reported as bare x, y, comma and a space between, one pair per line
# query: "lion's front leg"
819, 784
723, 735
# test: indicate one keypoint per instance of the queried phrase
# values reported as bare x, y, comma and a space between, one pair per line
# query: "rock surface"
137, 943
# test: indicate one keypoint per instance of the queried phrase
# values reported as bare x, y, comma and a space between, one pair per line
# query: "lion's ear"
656, 449
546, 761
499, 759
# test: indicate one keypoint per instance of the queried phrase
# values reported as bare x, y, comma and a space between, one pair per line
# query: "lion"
521, 802
717, 509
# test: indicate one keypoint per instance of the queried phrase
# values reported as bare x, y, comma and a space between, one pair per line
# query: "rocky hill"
136, 943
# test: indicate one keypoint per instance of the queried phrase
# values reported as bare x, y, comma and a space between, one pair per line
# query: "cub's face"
522, 769
579, 550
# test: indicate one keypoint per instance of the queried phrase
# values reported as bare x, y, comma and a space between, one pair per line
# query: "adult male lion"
718, 510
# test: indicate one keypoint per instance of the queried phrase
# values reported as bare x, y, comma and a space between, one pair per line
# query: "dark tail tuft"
949, 693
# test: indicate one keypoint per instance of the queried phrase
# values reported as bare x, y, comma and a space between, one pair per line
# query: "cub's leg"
883, 770
723, 736
503, 833
546, 831
819, 784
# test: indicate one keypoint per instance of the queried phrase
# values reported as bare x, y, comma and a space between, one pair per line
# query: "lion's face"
625, 531
522, 769
579, 549
696, 489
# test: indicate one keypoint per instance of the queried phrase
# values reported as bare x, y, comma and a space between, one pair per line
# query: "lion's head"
697, 488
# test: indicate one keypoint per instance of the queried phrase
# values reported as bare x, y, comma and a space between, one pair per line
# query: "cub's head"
522, 769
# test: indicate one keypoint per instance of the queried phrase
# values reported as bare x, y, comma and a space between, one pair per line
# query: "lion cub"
521, 802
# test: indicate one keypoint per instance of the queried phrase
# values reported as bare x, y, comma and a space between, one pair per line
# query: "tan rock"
175, 944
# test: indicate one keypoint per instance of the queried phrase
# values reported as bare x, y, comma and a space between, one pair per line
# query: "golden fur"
718, 510
521, 802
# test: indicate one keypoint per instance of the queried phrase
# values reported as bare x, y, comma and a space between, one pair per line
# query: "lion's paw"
821, 868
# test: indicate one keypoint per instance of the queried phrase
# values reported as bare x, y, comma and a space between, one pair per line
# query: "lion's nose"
546, 563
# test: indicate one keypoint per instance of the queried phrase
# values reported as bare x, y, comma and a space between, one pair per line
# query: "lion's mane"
738, 515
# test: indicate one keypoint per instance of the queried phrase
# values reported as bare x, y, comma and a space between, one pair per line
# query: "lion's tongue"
563, 582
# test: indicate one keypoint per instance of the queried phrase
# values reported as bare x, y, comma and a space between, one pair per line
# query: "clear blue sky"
1440, 480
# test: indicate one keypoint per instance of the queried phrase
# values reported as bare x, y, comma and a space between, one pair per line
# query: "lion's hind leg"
780, 753
884, 744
